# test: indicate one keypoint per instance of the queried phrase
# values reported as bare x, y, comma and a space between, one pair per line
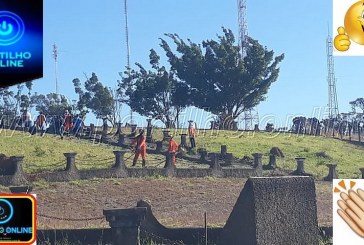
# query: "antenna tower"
127, 47
250, 116
331, 80
55, 57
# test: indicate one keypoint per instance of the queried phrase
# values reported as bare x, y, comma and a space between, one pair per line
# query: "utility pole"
55, 56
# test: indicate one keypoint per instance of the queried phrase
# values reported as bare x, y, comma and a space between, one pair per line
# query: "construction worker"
173, 148
67, 121
140, 148
41, 123
192, 133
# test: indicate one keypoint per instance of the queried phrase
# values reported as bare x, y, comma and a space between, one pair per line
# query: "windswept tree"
219, 79
94, 96
359, 102
51, 104
155, 93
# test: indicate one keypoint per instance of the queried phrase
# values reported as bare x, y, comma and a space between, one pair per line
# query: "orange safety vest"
140, 141
172, 146
192, 132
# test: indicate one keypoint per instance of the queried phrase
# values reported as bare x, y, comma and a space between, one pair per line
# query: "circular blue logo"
11, 28
6, 211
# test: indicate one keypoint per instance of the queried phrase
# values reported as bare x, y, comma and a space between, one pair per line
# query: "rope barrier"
69, 219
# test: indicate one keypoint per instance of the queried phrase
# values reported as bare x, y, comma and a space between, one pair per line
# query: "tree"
359, 102
94, 96
51, 104
7, 102
218, 78
156, 93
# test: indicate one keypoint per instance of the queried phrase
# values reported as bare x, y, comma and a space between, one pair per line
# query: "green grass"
318, 151
46, 153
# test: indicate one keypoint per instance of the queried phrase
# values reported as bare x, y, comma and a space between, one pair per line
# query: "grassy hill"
47, 152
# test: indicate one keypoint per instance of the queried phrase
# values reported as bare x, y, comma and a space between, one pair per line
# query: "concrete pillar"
119, 159
272, 161
215, 164
184, 141
229, 158
18, 177
203, 154
71, 161
332, 172
223, 150
257, 160
159, 145
165, 134
170, 168
125, 224
149, 130
300, 166
362, 172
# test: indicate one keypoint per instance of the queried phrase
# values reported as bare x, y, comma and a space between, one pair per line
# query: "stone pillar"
159, 145
133, 128
362, 172
229, 159
184, 141
170, 168
223, 150
18, 177
215, 164
203, 153
125, 224
121, 140
165, 134
149, 131
332, 172
119, 159
257, 160
272, 161
71, 161
300, 166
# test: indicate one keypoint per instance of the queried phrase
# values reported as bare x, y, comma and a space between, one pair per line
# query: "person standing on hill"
192, 133
67, 121
41, 123
172, 148
140, 148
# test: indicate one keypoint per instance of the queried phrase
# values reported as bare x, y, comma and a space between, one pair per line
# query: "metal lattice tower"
249, 119
55, 57
331, 80
243, 26
127, 47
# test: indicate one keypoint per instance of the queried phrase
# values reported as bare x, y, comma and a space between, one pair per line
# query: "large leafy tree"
95, 96
219, 78
51, 104
156, 93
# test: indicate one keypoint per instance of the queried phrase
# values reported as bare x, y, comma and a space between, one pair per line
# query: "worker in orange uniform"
67, 121
140, 148
192, 133
172, 148
41, 123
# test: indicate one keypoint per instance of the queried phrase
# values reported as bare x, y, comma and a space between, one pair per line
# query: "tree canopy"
94, 96
156, 93
219, 79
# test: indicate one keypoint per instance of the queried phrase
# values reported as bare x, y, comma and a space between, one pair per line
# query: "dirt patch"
175, 202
